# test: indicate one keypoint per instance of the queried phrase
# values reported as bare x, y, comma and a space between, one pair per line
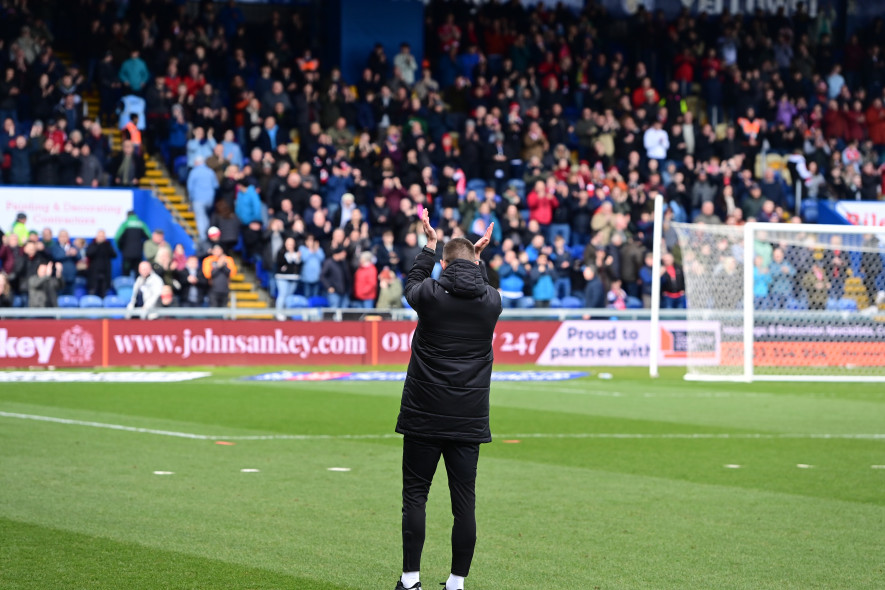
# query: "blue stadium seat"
296, 301
794, 304
555, 303
572, 303
577, 252
115, 301
68, 301
847, 304
318, 301
121, 282
476, 184
809, 211
91, 301
125, 293
19, 301
634, 303
79, 291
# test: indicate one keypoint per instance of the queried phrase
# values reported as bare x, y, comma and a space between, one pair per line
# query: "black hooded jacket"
446, 391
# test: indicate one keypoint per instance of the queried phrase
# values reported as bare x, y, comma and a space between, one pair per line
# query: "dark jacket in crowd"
446, 391
336, 275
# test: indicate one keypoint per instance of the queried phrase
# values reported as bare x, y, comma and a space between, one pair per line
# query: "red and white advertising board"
179, 343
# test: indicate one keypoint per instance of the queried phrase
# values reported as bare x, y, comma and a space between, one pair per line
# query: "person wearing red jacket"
855, 122
365, 282
834, 121
542, 202
876, 122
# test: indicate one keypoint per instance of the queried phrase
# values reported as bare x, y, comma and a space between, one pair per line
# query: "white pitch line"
540, 435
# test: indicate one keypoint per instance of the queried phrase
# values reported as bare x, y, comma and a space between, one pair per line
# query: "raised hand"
484, 241
429, 232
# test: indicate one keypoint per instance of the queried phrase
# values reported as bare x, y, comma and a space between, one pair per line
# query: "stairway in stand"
244, 292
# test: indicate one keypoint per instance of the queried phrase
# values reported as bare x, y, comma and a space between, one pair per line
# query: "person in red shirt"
645, 93
365, 282
542, 202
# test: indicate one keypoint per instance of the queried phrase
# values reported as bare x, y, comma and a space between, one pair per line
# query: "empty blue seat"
296, 301
122, 282
794, 304
318, 301
476, 184
19, 301
571, 303
91, 301
115, 301
847, 304
555, 303
68, 301
577, 252
125, 293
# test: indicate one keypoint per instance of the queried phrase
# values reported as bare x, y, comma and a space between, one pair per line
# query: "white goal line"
550, 435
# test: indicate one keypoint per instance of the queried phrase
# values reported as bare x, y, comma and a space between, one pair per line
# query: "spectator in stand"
543, 279
192, 284
127, 168
672, 283
130, 239
134, 73
287, 271
91, 172
44, 286
365, 282
390, 290
201, 186
312, 257
20, 227
228, 223
70, 257
154, 245
594, 288
336, 278
218, 268
146, 291
100, 253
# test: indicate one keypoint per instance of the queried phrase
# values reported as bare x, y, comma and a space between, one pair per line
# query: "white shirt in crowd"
656, 142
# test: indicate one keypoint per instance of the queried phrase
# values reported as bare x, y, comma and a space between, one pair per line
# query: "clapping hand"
429, 232
484, 241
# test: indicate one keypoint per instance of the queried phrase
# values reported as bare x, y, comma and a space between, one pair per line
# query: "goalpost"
791, 302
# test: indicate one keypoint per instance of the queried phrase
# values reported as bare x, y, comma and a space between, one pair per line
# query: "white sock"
455, 582
409, 579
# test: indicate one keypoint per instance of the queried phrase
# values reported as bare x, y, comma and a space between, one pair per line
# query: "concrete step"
153, 181
246, 296
242, 287
251, 304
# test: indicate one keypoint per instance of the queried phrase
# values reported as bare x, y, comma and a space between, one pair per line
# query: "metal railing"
313, 314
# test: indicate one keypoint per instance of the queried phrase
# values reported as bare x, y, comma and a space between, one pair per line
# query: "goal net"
793, 302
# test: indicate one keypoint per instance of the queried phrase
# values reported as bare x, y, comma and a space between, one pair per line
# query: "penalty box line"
539, 435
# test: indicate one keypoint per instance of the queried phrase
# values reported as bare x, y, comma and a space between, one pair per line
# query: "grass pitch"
623, 483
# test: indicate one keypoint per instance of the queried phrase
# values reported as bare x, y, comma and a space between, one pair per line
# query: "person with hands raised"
445, 403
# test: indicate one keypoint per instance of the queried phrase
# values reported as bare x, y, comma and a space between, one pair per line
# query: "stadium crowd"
559, 128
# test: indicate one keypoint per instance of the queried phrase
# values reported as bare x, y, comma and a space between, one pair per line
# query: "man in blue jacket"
445, 403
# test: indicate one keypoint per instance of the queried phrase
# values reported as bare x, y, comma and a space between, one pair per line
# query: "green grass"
80, 507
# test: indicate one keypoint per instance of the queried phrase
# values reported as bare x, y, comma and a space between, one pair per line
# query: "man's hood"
463, 278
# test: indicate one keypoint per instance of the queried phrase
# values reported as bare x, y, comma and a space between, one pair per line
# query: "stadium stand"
546, 122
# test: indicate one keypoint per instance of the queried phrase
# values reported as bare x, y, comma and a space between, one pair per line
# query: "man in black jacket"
445, 403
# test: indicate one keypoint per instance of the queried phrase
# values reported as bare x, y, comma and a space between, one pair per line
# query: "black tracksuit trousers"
420, 458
